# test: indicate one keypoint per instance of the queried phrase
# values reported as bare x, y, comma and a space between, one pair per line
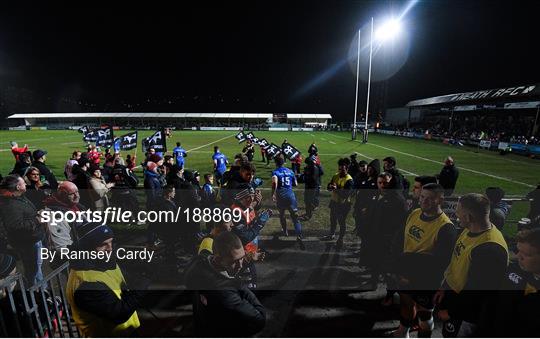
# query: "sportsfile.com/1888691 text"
119, 215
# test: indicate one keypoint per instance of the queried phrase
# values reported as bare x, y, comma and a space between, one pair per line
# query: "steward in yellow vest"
476, 270
96, 289
341, 187
426, 246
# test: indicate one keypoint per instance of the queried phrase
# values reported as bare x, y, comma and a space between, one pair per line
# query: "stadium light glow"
388, 30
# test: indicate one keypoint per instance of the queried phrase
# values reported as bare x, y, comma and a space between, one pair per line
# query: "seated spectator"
152, 184
40, 157
68, 168
82, 181
36, 191
23, 230
99, 189
222, 306
65, 199
499, 209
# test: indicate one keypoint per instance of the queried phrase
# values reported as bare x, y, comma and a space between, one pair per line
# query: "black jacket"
45, 171
388, 214
222, 307
20, 168
20, 221
82, 182
448, 177
37, 195
514, 311
312, 176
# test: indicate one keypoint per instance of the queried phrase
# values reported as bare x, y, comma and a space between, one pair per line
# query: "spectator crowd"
459, 272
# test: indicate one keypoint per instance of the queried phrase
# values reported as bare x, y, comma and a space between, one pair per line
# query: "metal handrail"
31, 306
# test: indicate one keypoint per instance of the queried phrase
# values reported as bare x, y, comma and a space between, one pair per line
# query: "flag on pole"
83, 130
290, 151
90, 136
263, 143
156, 141
273, 150
241, 137
129, 141
105, 136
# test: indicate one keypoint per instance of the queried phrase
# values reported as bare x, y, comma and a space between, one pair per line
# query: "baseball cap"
38, 153
92, 234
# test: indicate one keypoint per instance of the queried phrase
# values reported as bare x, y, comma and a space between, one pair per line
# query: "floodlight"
388, 30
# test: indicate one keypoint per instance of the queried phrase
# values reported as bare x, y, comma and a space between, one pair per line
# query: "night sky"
257, 56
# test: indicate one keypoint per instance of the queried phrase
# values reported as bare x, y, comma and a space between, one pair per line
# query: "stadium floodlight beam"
386, 31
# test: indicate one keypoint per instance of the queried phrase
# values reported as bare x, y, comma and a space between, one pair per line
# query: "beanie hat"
92, 234
154, 158
7, 264
243, 191
94, 167
151, 166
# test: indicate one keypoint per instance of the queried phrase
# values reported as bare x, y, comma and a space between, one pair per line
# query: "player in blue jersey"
179, 154
220, 165
283, 180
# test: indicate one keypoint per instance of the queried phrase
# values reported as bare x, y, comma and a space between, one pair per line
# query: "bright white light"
388, 30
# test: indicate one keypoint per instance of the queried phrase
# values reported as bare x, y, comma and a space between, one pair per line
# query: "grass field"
515, 174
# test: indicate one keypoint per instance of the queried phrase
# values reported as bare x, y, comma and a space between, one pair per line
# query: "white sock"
402, 332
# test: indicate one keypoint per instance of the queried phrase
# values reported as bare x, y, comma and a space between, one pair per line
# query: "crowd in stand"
458, 272
513, 129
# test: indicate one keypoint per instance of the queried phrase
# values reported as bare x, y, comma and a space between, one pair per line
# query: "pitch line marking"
438, 162
71, 143
369, 158
210, 143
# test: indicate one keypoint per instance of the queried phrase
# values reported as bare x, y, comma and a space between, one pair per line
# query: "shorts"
287, 201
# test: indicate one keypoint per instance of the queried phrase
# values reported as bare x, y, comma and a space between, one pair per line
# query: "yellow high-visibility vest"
92, 325
457, 272
421, 236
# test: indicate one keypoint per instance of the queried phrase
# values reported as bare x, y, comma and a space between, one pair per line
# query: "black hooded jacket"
222, 306
366, 187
